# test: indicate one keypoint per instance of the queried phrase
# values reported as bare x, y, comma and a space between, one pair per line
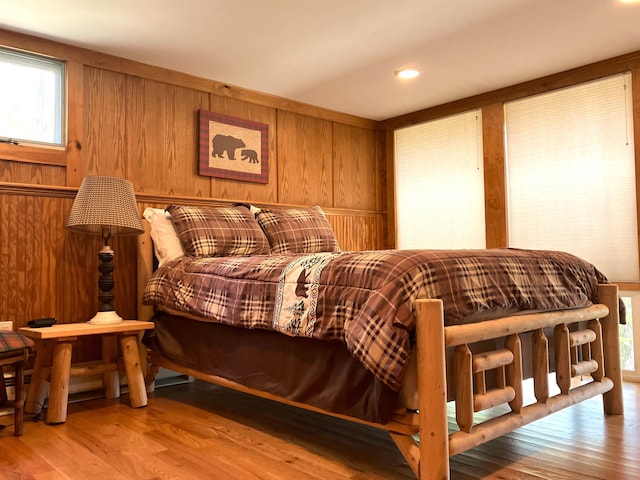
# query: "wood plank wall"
140, 122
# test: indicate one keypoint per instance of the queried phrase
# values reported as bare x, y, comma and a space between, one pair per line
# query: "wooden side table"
53, 363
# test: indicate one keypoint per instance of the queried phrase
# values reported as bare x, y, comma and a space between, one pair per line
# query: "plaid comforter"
365, 299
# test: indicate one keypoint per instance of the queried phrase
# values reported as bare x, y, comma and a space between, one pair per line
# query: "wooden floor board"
201, 431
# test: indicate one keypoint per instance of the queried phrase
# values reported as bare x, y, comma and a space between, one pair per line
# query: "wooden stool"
15, 349
53, 363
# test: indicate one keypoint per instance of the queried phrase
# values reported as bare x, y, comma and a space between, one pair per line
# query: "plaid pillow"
218, 231
298, 230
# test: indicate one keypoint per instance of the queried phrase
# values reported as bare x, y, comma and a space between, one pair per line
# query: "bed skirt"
324, 374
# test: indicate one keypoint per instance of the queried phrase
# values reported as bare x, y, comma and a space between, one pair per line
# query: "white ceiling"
341, 54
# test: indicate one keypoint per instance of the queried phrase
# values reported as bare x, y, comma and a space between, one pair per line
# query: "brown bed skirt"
324, 374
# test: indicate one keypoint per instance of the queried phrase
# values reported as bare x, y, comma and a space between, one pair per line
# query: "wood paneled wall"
141, 122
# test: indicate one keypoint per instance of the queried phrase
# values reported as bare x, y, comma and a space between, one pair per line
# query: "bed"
265, 302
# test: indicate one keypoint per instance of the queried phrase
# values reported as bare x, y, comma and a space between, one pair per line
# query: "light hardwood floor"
201, 431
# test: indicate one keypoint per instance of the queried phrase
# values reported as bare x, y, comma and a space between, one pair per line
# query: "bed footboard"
592, 352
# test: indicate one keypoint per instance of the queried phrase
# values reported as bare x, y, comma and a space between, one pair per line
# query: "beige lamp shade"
105, 202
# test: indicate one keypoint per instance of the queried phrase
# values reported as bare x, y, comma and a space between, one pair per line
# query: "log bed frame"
578, 353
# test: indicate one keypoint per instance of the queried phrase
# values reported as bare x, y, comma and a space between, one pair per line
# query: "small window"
32, 98
630, 337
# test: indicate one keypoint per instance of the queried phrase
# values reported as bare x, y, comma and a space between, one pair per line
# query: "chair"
15, 349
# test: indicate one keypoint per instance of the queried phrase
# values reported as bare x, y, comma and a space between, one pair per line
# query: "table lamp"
105, 206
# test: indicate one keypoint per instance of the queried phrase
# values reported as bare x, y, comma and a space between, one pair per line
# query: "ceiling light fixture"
407, 72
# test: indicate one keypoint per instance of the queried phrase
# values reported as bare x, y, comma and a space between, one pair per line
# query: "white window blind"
440, 184
571, 175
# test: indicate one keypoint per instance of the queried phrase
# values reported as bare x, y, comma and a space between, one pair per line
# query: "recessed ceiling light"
408, 72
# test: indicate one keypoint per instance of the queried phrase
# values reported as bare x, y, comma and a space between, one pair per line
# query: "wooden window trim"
66, 156
30, 153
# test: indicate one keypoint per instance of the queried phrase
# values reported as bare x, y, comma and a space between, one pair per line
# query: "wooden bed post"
145, 257
613, 400
145, 269
432, 390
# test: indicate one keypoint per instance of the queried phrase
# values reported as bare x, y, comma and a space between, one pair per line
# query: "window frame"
59, 68
634, 321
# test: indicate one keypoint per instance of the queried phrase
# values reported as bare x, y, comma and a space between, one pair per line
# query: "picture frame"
233, 148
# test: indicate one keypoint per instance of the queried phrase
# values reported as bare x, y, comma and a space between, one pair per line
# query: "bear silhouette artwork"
250, 155
226, 143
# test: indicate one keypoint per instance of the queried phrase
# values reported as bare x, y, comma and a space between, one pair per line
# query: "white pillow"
166, 243
254, 210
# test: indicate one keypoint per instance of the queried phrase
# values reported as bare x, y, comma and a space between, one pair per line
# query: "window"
440, 184
630, 349
571, 174
571, 185
32, 98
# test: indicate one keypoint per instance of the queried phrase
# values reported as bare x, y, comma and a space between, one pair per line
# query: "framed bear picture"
233, 148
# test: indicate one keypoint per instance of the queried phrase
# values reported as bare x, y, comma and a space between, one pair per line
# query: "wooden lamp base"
106, 313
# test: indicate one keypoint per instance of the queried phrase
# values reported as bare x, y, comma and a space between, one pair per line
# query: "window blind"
571, 175
439, 184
